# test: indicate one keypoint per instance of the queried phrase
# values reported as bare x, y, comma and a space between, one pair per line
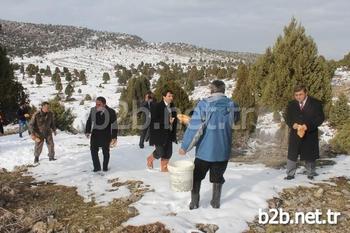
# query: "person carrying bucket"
210, 130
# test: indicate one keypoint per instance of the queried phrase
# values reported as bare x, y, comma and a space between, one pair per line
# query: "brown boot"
164, 165
150, 160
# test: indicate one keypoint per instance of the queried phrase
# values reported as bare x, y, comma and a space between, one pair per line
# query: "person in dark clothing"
102, 125
146, 115
22, 114
42, 125
163, 131
304, 115
2, 122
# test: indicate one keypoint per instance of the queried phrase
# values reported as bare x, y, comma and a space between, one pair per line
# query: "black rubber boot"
195, 195
215, 202
36, 159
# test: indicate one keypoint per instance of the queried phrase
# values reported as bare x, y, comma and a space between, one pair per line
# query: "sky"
244, 26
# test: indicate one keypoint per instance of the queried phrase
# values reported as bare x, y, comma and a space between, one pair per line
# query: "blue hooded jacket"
210, 128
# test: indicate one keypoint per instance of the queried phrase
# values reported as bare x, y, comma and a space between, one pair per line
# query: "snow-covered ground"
341, 76
246, 189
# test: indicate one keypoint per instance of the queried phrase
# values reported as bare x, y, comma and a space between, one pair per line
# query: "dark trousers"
95, 159
1, 129
164, 151
217, 170
144, 136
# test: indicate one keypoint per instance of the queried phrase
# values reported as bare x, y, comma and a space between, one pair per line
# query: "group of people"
209, 130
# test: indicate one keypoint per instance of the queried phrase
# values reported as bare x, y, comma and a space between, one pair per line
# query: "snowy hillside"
246, 190
95, 63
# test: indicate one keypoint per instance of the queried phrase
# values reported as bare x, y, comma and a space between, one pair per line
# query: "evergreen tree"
64, 118
48, 71
12, 92
132, 96
31, 70
22, 69
293, 59
136, 89
59, 87
345, 61
341, 142
340, 111
55, 77
243, 95
38, 79
68, 76
181, 99
57, 70
82, 77
106, 77
69, 90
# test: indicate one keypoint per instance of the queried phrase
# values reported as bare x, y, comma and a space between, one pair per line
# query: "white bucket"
181, 175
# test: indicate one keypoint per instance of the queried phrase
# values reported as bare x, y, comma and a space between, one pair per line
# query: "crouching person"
210, 130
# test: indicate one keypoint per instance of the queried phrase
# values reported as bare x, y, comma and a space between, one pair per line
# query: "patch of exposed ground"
30, 206
333, 195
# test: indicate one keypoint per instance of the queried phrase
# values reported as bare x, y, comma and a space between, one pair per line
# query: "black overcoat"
102, 125
312, 116
161, 131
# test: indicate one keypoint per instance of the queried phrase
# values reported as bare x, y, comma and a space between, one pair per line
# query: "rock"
319, 193
346, 192
39, 227
81, 230
51, 223
336, 193
207, 228
132, 211
20, 211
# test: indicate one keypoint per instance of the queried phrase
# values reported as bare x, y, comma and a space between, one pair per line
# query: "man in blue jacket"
210, 130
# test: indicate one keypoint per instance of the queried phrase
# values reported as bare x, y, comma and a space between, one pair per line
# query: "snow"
246, 189
201, 92
341, 76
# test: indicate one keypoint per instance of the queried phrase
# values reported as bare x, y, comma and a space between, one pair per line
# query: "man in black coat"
303, 116
146, 117
163, 131
102, 125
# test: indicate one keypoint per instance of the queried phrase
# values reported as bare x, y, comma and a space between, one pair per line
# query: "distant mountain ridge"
32, 39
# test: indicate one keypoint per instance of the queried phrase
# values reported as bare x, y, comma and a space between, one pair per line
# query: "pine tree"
12, 92
244, 96
293, 60
31, 70
69, 90
57, 70
68, 76
130, 98
22, 69
181, 99
48, 71
82, 77
341, 142
38, 79
105, 77
59, 87
340, 111
64, 118
345, 61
